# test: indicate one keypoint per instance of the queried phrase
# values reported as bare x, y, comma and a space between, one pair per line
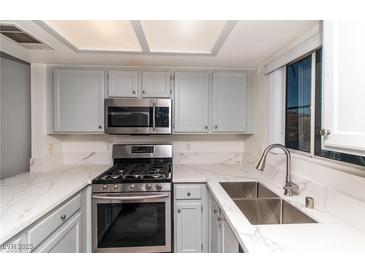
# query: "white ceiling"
247, 46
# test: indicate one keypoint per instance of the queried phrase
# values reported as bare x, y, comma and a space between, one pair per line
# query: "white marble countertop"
330, 234
27, 197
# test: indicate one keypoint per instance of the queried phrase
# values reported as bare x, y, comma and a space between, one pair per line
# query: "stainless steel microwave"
138, 116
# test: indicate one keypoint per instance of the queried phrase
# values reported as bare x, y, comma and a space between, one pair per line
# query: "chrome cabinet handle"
179, 210
133, 91
325, 132
154, 116
188, 194
215, 127
215, 211
143, 92
206, 127
63, 217
100, 127
219, 219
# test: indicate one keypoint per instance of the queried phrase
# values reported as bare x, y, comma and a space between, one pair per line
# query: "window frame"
315, 110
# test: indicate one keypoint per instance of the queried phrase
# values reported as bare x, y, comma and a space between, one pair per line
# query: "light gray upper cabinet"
78, 98
343, 114
156, 83
229, 102
191, 102
122, 83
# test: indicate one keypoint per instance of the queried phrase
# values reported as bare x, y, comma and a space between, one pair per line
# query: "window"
298, 105
299, 112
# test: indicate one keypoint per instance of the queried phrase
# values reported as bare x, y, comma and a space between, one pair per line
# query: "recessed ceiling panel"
182, 36
98, 35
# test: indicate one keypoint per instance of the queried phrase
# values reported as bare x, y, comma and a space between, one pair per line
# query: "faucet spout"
290, 188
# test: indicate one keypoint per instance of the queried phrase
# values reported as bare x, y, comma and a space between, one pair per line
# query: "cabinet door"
215, 227
191, 101
229, 102
343, 86
156, 84
188, 222
78, 100
229, 243
67, 239
122, 83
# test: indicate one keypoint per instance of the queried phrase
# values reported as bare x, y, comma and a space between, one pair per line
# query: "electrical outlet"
187, 145
50, 148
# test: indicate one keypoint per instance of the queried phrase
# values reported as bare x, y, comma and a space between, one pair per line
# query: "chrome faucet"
290, 188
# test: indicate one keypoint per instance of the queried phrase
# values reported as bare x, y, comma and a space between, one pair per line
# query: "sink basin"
244, 190
261, 206
271, 211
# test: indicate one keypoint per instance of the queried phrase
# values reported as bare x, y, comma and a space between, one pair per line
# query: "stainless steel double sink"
262, 206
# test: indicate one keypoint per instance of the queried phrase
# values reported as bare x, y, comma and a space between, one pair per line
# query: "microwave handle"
154, 116
130, 198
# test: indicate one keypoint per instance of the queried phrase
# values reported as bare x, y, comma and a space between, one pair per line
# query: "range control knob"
131, 187
158, 187
115, 187
148, 187
105, 187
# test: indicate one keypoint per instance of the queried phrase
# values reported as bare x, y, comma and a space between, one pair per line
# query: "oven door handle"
130, 198
154, 116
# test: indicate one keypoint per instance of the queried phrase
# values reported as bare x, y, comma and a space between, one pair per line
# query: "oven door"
131, 222
138, 116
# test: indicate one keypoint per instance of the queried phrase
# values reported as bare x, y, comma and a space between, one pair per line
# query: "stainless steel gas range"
131, 201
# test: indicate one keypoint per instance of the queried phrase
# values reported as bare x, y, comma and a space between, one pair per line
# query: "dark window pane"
349, 158
298, 105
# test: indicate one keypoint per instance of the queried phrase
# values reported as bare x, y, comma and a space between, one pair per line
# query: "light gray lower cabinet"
229, 102
156, 83
229, 241
215, 231
78, 101
66, 229
190, 218
221, 236
67, 239
191, 102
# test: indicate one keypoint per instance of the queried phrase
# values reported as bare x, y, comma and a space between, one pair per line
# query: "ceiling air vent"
21, 37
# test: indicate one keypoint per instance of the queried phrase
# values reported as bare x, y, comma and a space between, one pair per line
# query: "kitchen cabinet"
78, 101
190, 218
229, 241
222, 238
188, 226
191, 102
156, 83
67, 228
343, 115
215, 227
67, 239
229, 102
123, 83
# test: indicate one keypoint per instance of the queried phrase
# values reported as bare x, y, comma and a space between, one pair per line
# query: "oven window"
131, 225
130, 116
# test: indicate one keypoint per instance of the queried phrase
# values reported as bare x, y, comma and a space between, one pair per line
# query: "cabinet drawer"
45, 227
188, 192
